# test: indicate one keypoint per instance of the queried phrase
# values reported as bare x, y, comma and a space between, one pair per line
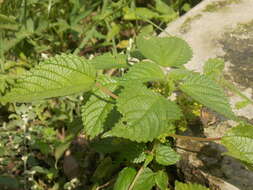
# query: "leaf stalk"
106, 90
195, 138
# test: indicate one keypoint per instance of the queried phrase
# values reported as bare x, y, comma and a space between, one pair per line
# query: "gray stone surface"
219, 28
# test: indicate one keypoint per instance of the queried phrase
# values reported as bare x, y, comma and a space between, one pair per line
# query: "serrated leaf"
144, 72
125, 178
165, 155
167, 51
109, 61
162, 180
239, 142
146, 180
125, 149
145, 114
189, 186
96, 110
214, 68
208, 93
179, 74
57, 76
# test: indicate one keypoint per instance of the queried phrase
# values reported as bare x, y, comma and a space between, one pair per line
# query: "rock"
224, 29
71, 167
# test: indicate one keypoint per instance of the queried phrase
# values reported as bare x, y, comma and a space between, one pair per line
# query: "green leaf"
5, 18
144, 72
214, 68
165, 155
208, 93
61, 75
239, 142
60, 149
114, 30
162, 180
104, 169
146, 180
139, 13
179, 74
125, 149
96, 110
163, 7
189, 186
145, 114
147, 30
126, 176
7, 182
186, 7
167, 51
242, 104
39, 169
108, 61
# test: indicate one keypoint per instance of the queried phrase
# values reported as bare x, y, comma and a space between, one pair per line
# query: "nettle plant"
125, 114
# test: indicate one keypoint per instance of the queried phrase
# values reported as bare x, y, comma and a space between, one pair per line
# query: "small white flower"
91, 57
44, 55
24, 158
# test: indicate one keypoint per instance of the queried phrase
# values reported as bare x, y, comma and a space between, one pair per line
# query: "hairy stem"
195, 138
106, 90
106, 184
136, 177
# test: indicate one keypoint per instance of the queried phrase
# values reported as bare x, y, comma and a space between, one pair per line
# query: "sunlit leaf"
57, 76
167, 51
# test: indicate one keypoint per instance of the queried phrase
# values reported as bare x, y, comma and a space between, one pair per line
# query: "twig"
195, 138
106, 90
136, 177
104, 185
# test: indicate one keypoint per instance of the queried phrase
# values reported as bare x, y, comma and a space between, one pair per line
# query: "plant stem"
145, 164
106, 90
136, 177
156, 26
105, 185
195, 138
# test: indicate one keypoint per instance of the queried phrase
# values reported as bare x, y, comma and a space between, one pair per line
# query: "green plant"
126, 114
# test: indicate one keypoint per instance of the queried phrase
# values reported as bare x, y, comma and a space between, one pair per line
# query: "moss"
237, 46
219, 5
244, 27
186, 26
